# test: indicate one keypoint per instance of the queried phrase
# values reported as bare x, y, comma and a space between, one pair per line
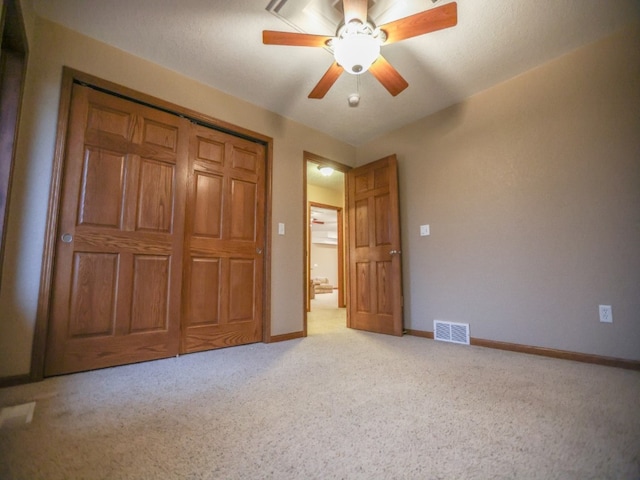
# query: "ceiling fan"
356, 45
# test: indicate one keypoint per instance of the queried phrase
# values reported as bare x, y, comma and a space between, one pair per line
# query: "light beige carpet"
339, 404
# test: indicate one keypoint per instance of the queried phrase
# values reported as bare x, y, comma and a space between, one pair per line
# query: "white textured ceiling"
219, 42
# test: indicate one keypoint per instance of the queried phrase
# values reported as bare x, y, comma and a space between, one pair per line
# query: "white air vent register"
451, 332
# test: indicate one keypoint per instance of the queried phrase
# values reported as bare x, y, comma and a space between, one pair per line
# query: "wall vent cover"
451, 332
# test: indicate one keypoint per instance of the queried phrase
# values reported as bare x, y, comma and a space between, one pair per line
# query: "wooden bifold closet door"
117, 290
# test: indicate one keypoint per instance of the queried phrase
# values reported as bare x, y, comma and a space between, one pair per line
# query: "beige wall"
52, 47
325, 195
324, 262
532, 192
29, 18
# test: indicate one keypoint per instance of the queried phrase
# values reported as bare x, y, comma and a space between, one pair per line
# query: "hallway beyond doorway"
325, 316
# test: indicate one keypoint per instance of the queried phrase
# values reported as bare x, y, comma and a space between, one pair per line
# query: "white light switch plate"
281, 229
425, 230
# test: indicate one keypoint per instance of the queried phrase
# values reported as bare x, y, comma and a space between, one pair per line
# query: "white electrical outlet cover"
606, 314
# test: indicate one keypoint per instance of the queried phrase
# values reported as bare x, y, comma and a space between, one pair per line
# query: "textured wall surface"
532, 191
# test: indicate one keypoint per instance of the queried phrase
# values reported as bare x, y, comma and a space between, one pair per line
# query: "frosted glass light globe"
355, 52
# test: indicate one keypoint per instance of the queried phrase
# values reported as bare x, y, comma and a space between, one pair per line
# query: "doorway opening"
373, 270
326, 267
324, 227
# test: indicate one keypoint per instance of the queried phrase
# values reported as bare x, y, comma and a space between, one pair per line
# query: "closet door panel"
224, 241
117, 280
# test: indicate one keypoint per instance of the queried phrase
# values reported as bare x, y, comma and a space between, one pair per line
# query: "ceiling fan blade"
269, 37
327, 81
428, 21
388, 76
355, 10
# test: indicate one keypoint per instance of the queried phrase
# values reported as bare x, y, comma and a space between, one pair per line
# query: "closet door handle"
258, 251
66, 238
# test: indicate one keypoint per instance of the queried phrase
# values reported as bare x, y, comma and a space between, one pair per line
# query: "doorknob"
395, 252
258, 251
67, 238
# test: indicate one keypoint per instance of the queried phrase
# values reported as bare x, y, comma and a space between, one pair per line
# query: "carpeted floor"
339, 404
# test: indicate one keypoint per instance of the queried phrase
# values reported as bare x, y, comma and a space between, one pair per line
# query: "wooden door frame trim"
69, 77
308, 157
14, 57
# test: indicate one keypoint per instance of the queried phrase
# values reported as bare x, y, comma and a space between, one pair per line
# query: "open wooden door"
375, 267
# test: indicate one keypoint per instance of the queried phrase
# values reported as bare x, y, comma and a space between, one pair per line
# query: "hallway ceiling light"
324, 170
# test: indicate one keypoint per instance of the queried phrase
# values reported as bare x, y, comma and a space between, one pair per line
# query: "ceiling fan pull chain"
354, 98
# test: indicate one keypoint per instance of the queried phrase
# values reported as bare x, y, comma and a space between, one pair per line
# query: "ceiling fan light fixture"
356, 48
357, 42
325, 171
